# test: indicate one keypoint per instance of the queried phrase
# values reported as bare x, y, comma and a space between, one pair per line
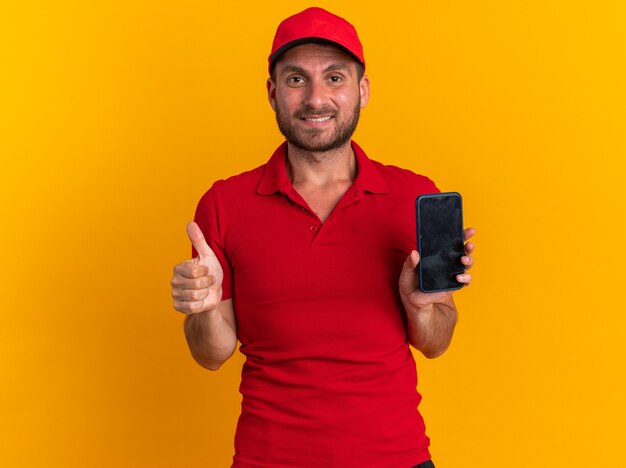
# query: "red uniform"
329, 379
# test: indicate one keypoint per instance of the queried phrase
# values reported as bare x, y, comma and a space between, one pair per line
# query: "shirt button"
313, 228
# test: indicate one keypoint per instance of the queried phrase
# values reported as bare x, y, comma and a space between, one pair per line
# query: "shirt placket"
310, 223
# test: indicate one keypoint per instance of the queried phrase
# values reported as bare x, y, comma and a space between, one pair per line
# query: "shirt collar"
275, 177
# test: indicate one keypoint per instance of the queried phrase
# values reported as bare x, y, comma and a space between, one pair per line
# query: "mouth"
317, 119
318, 122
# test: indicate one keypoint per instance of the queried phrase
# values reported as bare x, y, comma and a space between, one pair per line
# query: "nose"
315, 96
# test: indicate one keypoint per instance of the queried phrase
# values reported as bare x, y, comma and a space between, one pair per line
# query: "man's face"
317, 96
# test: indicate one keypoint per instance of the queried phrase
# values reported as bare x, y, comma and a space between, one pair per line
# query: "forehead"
311, 55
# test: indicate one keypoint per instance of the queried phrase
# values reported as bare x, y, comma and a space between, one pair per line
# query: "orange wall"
118, 115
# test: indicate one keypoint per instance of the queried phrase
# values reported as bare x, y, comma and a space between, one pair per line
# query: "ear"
271, 92
364, 88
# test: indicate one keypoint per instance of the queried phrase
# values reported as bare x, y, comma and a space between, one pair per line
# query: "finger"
200, 282
469, 233
193, 307
198, 241
190, 295
411, 261
187, 307
469, 248
190, 269
408, 276
467, 262
464, 278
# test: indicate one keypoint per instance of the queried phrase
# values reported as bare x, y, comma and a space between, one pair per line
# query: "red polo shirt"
329, 379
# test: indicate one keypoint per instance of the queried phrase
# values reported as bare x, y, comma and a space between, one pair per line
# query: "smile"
319, 119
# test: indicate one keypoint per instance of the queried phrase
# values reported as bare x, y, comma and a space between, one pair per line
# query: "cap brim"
308, 40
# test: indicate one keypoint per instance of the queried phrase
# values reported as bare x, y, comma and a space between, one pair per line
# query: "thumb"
408, 276
197, 240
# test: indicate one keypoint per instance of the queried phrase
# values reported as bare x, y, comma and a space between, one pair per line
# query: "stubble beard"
309, 139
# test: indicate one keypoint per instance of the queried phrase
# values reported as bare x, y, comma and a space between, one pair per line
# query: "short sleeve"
427, 186
208, 219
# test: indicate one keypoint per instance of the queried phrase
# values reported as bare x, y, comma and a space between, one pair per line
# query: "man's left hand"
410, 292
431, 317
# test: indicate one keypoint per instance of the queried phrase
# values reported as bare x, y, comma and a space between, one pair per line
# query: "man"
309, 262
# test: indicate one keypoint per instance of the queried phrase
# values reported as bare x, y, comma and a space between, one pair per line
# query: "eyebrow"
293, 68
289, 68
338, 66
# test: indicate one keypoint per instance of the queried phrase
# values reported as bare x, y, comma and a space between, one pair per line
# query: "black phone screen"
440, 241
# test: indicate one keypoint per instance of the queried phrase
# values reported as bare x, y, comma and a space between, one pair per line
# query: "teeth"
321, 119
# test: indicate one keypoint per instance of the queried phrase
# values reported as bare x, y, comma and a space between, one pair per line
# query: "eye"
335, 78
295, 80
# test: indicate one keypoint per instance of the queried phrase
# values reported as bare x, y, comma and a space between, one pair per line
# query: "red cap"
313, 25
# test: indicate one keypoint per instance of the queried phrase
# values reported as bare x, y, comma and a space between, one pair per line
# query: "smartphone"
440, 241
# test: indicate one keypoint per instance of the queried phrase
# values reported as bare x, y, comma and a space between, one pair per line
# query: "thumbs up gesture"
197, 283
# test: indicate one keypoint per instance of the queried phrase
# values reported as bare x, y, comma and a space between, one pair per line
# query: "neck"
321, 168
